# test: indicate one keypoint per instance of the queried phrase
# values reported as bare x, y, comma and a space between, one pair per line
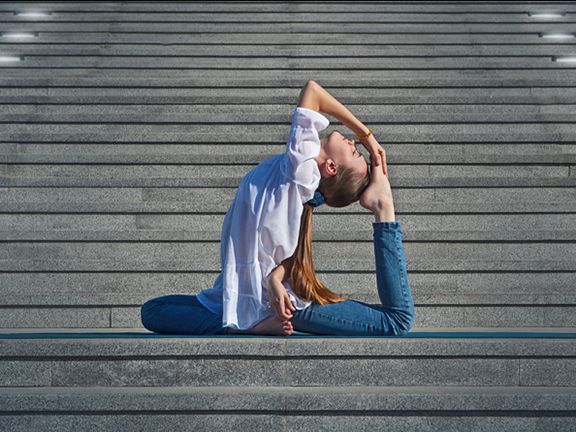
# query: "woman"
268, 285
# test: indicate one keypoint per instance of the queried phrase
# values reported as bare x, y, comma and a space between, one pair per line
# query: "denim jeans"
184, 314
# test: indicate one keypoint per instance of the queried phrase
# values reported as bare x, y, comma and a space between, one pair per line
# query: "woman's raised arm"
314, 97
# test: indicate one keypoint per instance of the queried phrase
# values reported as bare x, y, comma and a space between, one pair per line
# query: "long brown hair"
339, 190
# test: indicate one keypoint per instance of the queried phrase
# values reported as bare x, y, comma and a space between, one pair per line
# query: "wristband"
365, 137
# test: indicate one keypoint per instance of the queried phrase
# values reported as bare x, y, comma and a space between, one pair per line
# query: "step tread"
287, 399
417, 333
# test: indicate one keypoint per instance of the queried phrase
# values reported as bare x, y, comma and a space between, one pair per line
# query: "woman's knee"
148, 311
405, 321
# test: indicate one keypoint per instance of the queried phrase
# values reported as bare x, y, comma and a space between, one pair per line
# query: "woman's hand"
278, 297
377, 153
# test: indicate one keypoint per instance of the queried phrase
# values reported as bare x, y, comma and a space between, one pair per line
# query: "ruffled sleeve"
303, 146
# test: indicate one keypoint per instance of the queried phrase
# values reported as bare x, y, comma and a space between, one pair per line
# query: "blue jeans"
183, 314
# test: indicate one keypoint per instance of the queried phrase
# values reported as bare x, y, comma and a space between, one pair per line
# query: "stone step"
93, 175
325, 227
304, 15
300, 40
188, 202
118, 289
456, 310
520, 24
274, 113
540, 294
193, 199
561, 181
253, 152
281, 114
30, 315
306, 400
230, 133
353, 256
307, 7
404, 210
537, 61
294, 409
422, 360
417, 97
287, 49
15, 77
241, 118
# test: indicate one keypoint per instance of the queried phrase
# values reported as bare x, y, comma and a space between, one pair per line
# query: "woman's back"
262, 226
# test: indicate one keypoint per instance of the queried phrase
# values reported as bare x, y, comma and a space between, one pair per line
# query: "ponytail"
339, 190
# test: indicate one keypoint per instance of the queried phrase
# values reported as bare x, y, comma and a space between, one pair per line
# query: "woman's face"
344, 153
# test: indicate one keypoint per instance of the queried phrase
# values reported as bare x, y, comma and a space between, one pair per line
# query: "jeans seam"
400, 266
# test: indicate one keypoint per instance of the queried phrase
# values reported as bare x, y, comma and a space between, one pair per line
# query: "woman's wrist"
366, 135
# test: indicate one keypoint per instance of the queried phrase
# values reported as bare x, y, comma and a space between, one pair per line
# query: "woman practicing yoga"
268, 285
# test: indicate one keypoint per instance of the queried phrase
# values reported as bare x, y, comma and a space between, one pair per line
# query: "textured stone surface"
120, 177
359, 256
126, 317
127, 129
486, 8
287, 399
85, 361
180, 372
555, 372
234, 133
25, 315
154, 348
25, 374
325, 227
404, 372
51, 317
138, 422
293, 423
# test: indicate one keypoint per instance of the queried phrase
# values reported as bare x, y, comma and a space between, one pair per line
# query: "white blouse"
262, 225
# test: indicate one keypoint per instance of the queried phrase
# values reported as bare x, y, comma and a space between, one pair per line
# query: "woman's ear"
331, 167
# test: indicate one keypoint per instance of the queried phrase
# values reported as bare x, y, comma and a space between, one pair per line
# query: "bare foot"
270, 326
378, 197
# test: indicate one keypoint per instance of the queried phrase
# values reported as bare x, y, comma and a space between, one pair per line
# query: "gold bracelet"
367, 136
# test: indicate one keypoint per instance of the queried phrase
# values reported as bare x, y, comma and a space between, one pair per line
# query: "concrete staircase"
125, 131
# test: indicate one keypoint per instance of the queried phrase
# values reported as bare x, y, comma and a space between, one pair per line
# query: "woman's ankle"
384, 212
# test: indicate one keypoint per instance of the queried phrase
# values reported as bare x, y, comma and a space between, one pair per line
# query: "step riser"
60, 225
287, 362
289, 422
288, 400
426, 317
129, 289
190, 256
292, 372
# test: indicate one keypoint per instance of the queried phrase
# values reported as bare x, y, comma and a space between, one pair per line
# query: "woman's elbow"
310, 85
309, 96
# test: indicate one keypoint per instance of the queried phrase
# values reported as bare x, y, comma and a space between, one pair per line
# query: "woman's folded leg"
391, 275
180, 314
395, 316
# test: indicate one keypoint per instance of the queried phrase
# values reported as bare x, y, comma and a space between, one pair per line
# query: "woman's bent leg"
180, 314
394, 317
392, 277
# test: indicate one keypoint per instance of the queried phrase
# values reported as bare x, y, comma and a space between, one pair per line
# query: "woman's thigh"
180, 314
348, 318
